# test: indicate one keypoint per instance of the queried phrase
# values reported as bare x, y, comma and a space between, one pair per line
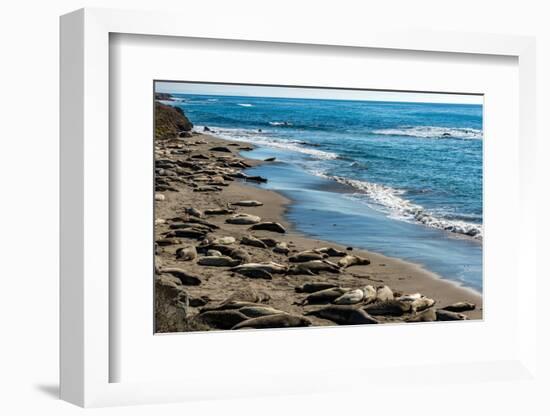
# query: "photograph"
293, 206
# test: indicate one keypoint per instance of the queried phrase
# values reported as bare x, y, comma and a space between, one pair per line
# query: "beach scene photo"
283, 207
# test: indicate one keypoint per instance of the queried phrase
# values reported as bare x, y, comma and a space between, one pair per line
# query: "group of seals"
323, 300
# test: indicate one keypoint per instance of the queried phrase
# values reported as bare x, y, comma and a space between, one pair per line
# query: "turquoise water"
402, 179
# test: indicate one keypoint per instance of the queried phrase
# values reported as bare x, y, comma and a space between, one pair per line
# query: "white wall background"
29, 209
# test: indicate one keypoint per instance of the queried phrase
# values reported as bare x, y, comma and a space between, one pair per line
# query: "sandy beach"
191, 186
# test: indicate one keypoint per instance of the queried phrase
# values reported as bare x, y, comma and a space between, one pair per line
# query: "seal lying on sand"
331, 252
384, 293
270, 267
344, 315
218, 261
350, 298
186, 253
185, 278
253, 241
269, 226
445, 315
314, 267
421, 304
224, 319
314, 287
282, 320
306, 256
389, 307
255, 311
248, 203
460, 307
365, 295
351, 260
324, 296
243, 219
428, 315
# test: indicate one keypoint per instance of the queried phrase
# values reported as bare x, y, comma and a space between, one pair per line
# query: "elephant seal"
331, 252
270, 267
253, 241
324, 296
269, 226
218, 261
304, 256
167, 241
186, 253
185, 278
194, 233
344, 315
248, 203
218, 211
350, 298
281, 248
369, 294
351, 260
314, 267
429, 315
223, 319
409, 298
270, 242
243, 219
460, 307
214, 253
248, 295
388, 307
282, 320
384, 293
421, 304
235, 253
314, 287
224, 240
256, 311
228, 305
194, 212
446, 315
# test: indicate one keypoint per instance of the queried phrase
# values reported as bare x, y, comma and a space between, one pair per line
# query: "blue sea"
402, 179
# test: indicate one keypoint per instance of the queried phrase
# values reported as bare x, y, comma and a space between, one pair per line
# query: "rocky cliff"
170, 122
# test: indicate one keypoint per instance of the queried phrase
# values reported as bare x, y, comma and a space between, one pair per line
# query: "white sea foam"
261, 139
393, 202
432, 132
245, 105
280, 123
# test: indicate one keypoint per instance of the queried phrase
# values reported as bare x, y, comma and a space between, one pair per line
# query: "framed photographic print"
248, 178
242, 208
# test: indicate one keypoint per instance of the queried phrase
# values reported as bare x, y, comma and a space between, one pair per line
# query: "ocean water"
403, 179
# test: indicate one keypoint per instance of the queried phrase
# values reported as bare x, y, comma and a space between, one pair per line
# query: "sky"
317, 93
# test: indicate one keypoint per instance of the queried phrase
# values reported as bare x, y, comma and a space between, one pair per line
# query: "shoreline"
220, 284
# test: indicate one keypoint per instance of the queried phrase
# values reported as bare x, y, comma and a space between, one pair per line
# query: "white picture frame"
85, 165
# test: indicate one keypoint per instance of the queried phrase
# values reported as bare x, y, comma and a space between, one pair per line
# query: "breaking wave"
393, 202
263, 139
245, 105
432, 132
